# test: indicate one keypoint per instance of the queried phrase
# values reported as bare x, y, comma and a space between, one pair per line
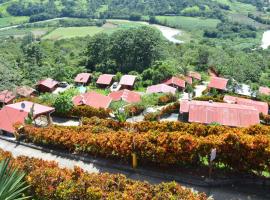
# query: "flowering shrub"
49, 182
173, 108
152, 117
165, 99
218, 98
265, 118
88, 111
134, 109
243, 150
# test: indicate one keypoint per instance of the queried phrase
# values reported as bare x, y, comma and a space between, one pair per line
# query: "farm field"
20, 32
9, 21
188, 23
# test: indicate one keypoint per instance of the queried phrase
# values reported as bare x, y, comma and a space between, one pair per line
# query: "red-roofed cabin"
233, 115
47, 85
176, 83
195, 75
126, 95
16, 113
25, 91
92, 99
218, 83
6, 97
105, 80
188, 80
264, 90
262, 107
160, 88
83, 79
127, 82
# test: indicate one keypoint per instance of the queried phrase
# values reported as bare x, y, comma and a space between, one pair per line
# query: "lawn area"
98, 90
9, 21
70, 32
20, 32
188, 23
238, 7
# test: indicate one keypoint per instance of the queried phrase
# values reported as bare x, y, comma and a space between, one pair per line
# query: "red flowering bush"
165, 99
49, 182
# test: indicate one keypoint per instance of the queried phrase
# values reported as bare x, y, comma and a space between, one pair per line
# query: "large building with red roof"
105, 80
161, 88
16, 113
127, 81
7, 97
264, 90
92, 99
126, 95
262, 107
82, 78
233, 115
218, 83
176, 83
47, 85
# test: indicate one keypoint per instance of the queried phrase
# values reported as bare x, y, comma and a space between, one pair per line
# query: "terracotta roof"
223, 113
195, 75
105, 79
176, 81
49, 83
218, 83
128, 80
7, 96
125, 95
160, 88
264, 90
92, 99
188, 80
262, 107
25, 91
13, 114
82, 78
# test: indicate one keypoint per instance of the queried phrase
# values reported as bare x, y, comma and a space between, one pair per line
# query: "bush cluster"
166, 143
49, 182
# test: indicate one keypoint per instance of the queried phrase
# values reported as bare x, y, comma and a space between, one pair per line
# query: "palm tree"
12, 185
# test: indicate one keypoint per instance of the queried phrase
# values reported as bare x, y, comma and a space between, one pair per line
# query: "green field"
9, 21
238, 7
188, 23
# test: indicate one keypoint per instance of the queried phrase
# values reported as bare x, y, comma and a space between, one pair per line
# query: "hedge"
242, 150
49, 182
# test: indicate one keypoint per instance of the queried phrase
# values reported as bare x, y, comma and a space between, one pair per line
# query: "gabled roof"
188, 80
13, 113
126, 95
128, 80
82, 78
49, 83
105, 79
223, 113
92, 99
262, 107
218, 83
195, 75
160, 88
264, 90
7, 96
176, 81
25, 91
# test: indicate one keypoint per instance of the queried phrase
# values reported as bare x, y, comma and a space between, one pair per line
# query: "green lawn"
70, 32
238, 7
9, 21
188, 23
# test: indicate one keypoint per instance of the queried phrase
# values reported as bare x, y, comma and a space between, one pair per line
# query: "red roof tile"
195, 75
92, 99
128, 80
48, 83
25, 91
105, 79
13, 114
222, 113
176, 81
7, 96
188, 80
126, 95
160, 88
262, 107
218, 83
82, 78
264, 90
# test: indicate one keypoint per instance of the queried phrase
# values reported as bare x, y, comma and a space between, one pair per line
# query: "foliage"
48, 181
87, 111
11, 181
218, 98
155, 116
63, 104
167, 98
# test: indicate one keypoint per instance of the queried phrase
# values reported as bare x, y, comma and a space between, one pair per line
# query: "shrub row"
236, 149
191, 128
49, 182
218, 98
88, 111
265, 118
